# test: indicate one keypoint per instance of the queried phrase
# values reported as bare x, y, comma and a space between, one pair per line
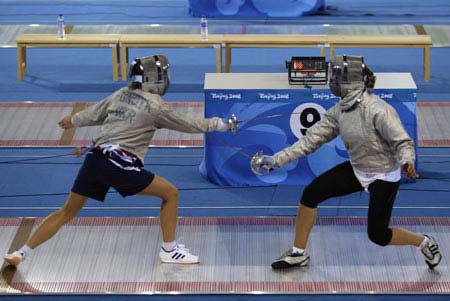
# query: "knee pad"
381, 237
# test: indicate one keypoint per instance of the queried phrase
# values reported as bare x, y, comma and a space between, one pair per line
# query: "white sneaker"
290, 259
178, 255
15, 258
431, 252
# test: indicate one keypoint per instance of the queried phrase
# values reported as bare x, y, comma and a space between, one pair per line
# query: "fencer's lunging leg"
306, 217
337, 181
165, 190
52, 223
403, 237
171, 251
382, 198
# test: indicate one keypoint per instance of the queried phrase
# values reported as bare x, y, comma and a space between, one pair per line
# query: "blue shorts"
100, 171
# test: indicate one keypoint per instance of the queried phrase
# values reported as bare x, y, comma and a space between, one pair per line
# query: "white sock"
297, 250
25, 250
424, 243
169, 246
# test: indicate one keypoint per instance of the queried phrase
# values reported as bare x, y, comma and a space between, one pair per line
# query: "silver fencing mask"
152, 72
347, 72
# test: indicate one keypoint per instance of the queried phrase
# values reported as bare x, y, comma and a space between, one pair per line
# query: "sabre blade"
261, 118
268, 117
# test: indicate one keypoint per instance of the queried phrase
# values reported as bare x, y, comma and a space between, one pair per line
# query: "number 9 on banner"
305, 116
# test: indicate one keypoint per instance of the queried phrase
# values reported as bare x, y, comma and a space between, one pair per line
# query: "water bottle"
61, 29
203, 29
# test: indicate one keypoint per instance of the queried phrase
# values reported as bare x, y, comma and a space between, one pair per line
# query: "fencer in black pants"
379, 150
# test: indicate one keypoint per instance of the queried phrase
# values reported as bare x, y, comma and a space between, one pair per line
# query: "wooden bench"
270, 41
331, 41
385, 41
230, 41
128, 41
25, 41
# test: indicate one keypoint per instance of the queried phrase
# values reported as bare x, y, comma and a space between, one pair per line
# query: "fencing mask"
152, 72
347, 72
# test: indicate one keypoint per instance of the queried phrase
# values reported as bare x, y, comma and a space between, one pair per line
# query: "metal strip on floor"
35, 124
120, 255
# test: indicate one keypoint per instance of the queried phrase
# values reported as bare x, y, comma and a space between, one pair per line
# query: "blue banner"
277, 119
254, 8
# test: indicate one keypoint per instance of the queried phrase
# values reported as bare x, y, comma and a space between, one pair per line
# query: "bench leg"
21, 61
331, 51
115, 61
218, 58
322, 51
426, 63
227, 59
124, 62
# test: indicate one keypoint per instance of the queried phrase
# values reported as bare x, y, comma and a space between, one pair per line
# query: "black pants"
340, 181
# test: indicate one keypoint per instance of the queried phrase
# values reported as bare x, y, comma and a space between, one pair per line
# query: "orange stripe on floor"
22, 235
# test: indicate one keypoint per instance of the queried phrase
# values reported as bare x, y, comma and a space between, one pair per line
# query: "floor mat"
120, 255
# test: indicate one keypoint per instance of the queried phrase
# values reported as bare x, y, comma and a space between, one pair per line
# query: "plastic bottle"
204, 29
61, 27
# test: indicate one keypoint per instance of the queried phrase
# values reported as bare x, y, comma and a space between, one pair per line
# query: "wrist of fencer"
270, 163
276, 162
275, 166
222, 125
73, 121
269, 168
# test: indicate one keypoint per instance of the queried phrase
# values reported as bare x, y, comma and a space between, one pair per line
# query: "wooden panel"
418, 40
52, 39
170, 39
274, 40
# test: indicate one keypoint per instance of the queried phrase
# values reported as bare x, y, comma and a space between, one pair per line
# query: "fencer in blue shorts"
128, 120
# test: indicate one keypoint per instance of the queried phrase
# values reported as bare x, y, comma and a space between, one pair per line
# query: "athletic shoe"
178, 255
15, 258
290, 259
431, 253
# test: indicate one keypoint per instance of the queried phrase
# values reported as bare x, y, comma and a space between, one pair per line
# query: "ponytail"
369, 79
